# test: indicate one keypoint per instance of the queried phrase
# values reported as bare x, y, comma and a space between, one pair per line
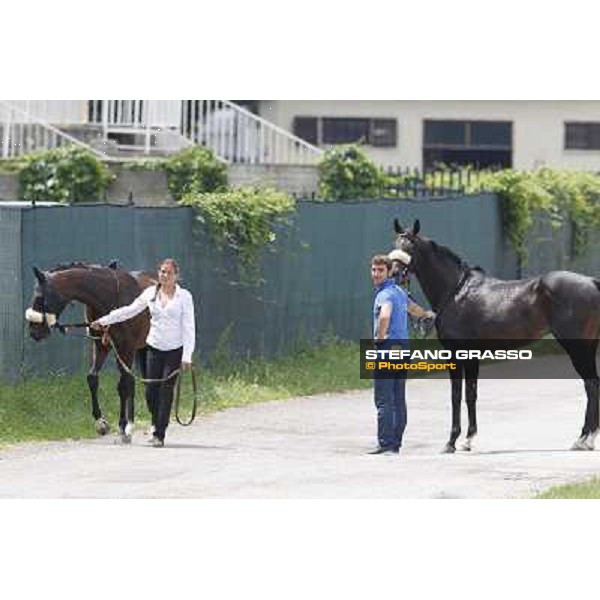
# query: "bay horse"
489, 312
99, 289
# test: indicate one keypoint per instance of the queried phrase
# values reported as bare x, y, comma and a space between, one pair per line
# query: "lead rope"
175, 373
63, 329
178, 399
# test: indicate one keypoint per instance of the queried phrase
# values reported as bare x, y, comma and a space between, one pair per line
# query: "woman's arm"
125, 312
189, 329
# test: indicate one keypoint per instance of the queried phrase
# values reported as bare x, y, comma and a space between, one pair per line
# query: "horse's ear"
399, 229
39, 276
416, 227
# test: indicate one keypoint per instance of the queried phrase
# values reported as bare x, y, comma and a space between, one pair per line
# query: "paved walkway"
314, 447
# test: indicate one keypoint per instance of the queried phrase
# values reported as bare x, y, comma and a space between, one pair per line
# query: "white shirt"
171, 326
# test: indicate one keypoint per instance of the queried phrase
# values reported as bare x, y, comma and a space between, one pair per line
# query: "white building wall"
57, 112
538, 126
159, 113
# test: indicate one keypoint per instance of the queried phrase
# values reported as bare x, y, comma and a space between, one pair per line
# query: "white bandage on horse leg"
129, 428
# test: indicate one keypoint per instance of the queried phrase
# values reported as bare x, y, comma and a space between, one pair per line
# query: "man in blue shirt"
390, 329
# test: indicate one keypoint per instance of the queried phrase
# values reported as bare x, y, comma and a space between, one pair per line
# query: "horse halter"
43, 317
402, 276
50, 318
34, 316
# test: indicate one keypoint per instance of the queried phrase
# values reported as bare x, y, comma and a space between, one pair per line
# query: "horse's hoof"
582, 444
102, 426
466, 447
123, 439
448, 449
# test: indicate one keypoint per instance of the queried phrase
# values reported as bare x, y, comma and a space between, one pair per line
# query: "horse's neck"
83, 289
438, 279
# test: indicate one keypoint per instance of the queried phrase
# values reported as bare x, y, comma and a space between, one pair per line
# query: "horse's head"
46, 305
406, 246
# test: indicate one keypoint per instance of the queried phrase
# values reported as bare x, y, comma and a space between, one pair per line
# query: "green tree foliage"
243, 220
564, 196
195, 171
65, 174
346, 173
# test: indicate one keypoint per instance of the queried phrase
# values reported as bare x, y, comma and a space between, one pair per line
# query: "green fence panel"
317, 275
11, 305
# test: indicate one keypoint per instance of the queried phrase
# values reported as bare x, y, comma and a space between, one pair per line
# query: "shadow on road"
524, 451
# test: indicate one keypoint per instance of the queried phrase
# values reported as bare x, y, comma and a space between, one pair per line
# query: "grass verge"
59, 407
586, 490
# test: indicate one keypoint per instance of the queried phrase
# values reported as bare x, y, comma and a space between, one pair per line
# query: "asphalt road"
314, 447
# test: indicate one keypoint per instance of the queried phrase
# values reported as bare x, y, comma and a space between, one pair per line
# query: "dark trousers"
390, 401
159, 396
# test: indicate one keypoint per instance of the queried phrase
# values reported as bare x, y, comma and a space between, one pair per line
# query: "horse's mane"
77, 264
446, 252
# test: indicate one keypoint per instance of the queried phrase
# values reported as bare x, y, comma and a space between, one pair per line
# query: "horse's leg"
99, 354
583, 356
584, 361
592, 390
456, 376
126, 388
471, 377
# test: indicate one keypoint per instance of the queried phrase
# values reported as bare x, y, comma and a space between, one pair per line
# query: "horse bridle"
45, 317
403, 275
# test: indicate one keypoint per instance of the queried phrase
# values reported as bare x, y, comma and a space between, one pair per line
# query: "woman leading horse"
170, 341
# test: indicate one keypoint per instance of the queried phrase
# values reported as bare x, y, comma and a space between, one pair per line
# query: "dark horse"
100, 289
491, 312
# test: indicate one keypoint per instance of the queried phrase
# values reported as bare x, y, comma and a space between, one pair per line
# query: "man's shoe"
156, 443
383, 450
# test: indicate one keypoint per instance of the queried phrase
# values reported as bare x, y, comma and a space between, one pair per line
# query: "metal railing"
239, 136
130, 127
233, 133
22, 132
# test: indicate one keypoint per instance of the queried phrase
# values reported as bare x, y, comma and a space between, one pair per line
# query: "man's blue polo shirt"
388, 291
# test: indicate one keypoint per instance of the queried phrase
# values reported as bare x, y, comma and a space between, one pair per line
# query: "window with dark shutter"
582, 136
307, 128
381, 133
478, 143
345, 131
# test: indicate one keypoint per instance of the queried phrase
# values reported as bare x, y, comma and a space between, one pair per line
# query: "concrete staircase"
125, 129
